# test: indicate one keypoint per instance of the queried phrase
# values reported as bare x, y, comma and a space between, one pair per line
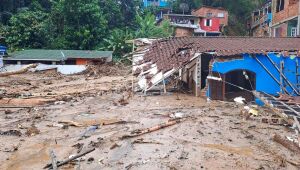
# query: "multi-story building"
205, 21
261, 21
285, 21
185, 25
214, 18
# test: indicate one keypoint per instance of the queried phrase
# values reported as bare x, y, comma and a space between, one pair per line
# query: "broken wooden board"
140, 132
22, 70
286, 143
25, 102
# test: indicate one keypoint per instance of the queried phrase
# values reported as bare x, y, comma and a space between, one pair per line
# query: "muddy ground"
212, 135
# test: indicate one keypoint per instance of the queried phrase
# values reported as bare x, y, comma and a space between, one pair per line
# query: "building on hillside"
222, 68
184, 25
214, 19
285, 18
58, 57
261, 21
163, 5
157, 3
205, 21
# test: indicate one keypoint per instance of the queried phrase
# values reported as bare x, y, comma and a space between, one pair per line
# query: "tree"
25, 29
116, 41
78, 24
147, 27
119, 14
185, 6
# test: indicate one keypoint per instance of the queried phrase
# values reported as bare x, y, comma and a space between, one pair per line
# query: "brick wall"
290, 10
215, 11
261, 31
183, 32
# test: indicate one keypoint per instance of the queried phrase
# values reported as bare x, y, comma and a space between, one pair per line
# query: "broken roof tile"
174, 52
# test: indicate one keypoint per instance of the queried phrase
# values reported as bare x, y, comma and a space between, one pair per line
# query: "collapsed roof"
166, 56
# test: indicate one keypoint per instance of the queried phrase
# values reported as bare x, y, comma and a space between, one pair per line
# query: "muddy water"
30, 156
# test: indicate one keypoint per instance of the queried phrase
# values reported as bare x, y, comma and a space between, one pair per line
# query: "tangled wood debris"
56, 117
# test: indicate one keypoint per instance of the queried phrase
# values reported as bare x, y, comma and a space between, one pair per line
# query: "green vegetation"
98, 24
77, 24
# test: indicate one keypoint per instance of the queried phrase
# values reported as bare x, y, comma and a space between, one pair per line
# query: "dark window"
209, 14
279, 5
208, 23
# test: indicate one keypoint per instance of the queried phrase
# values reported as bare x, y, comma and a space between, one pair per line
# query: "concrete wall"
264, 81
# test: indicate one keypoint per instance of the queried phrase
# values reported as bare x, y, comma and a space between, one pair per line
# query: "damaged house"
222, 68
58, 57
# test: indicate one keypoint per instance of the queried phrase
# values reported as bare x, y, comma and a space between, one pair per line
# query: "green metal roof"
58, 55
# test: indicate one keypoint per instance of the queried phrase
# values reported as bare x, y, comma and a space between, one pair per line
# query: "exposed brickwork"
290, 10
183, 32
203, 11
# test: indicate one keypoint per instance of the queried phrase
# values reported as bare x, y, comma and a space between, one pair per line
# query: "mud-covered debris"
183, 155
96, 144
123, 102
70, 123
11, 133
140, 132
12, 149
143, 141
240, 100
293, 146
63, 126
115, 145
78, 146
71, 158
91, 159
7, 112
177, 115
88, 132
32, 131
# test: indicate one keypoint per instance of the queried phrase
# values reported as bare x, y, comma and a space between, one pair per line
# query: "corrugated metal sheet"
58, 55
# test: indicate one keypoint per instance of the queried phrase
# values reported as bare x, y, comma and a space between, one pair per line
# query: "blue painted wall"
161, 3
264, 82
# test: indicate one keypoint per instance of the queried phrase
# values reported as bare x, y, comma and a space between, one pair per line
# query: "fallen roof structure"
166, 56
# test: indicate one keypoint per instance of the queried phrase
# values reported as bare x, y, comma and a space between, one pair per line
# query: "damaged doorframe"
198, 75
